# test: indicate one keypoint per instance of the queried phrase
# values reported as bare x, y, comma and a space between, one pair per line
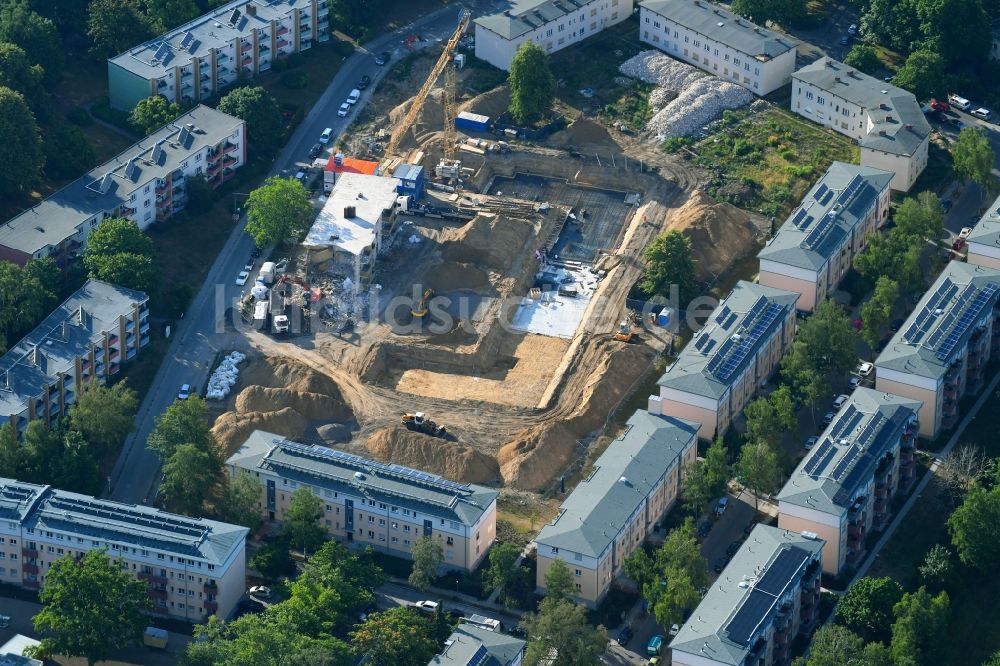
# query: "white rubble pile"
659, 68
224, 378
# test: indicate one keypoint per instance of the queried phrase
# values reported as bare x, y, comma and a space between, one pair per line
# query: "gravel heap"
656, 67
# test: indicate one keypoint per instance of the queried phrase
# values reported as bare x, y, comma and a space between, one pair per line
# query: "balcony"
158, 610
247, 46
29, 568
161, 83
187, 74
211, 607
126, 211
152, 578
283, 30
211, 587
161, 186
31, 584
157, 593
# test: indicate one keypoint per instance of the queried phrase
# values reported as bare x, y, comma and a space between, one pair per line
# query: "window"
809, 95
406, 542
562, 28
406, 528
371, 535
555, 550
548, 33
395, 526
451, 541
820, 101
578, 572
736, 61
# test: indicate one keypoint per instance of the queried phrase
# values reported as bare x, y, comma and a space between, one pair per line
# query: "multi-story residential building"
551, 24
146, 183
843, 488
88, 337
199, 59
725, 363
359, 212
714, 39
941, 351
816, 246
470, 645
610, 513
984, 241
368, 503
885, 120
765, 597
193, 567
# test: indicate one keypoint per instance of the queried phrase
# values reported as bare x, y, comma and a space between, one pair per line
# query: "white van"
959, 102
981, 112
353, 98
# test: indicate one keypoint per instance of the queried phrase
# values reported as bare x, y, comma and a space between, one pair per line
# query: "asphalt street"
202, 332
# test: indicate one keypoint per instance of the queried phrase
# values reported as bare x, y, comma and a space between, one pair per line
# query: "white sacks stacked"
224, 378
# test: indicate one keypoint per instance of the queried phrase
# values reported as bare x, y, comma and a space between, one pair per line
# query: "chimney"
837, 79
850, 72
909, 127
881, 132
251, 9
349, 212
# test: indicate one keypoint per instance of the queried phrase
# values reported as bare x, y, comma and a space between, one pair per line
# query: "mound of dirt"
486, 240
584, 133
493, 103
532, 459
452, 276
721, 234
232, 429
313, 406
430, 118
452, 460
278, 372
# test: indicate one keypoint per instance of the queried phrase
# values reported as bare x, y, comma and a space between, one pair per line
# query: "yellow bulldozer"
419, 422
625, 332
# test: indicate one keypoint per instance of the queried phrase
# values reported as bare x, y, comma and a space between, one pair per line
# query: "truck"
155, 637
279, 324
267, 272
260, 310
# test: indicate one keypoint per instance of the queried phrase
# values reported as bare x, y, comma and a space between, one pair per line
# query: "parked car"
383, 58
256, 252
250, 264
982, 113
959, 102
654, 661
811, 442
4, 621
828, 417
429, 606
958, 245
242, 278
353, 98
343, 110
733, 547
841, 399
364, 82
674, 630
844, 40
946, 205
721, 506
939, 105
315, 151
854, 382
964, 233
852, 29
366, 611
185, 392
624, 636
261, 591
720, 564
324, 138
654, 646
704, 527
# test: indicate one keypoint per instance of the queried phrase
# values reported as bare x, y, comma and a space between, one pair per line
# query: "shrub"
80, 116
788, 154
295, 80
279, 65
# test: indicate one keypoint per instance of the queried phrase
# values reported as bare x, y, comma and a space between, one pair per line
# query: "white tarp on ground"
553, 314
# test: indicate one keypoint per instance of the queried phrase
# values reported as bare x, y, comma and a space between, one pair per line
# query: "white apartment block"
368, 503
234, 42
552, 24
193, 567
984, 241
886, 121
721, 43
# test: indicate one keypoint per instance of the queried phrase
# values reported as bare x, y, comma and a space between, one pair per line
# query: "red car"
939, 105
958, 245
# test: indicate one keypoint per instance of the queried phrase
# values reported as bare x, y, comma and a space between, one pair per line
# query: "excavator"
419, 422
420, 309
625, 332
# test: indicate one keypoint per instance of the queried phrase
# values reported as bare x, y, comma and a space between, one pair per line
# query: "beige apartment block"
984, 241
367, 503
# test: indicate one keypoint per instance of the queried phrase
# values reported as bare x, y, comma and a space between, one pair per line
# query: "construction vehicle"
419, 422
625, 332
420, 309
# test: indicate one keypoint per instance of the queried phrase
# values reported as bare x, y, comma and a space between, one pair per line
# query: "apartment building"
470, 645
940, 353
193, 567
203, 57
886, 121
724, 364
816, 246
611, 512
96, 330
984, 241
551, 24
765, 597
843, 489
368, 503
146, 183
714, 39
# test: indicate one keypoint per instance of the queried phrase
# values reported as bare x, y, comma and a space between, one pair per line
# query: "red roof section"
352, 165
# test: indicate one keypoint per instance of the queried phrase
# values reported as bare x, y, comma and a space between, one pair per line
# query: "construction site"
483, 332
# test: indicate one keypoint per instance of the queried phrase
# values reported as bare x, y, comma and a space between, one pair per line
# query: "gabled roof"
720, 352
470, 645
743, 601
600, 506
525, 16
962, 296
722, 26
828, 214
895, 123
987, 229
846, 455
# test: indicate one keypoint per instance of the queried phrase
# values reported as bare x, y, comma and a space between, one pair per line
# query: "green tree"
268, 639
152, 113
706, 479
937, 569
166, 15
43, 447
867, 607
559, 635
994, 660
278, 209
120, 253
77, 469
891, 22
959, 30
35, 34
67, 152
240, 503
824, 346
10, 452
669, 262
189, 476
919, 633
762, 11
767, 418
21, 156
923, 74
91, 606
303, 518
273, 560
184, 422
428, 556
399, 636
29, 294
882, 256
532, 85
833, 645
973, 158
877, 310
200, 195
265, 128
115, 26
18, 73
975, 528
559, 582
104, 415
504, 573
863, 58
920, 217
759, 468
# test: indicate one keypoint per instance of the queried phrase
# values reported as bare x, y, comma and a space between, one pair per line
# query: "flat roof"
51, 350
351, 165
726, 625
898, 126
719, 353
722, 26
17, 499
944, 319
828, 213
369, 196
987, 230
335, 470
470, 645
106, 187
196, 38
865, 428
593, 515
527, 15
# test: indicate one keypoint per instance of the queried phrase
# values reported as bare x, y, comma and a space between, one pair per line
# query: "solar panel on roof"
162, 51
965, 321
818, 454
183, 136
723, 314
758, 320
846, 421
234, 17
819, 231
826, 198
823, 189
845, 462
782, 570
942, 294
867, 434
700, 342
799, 216
850, 190
943, 327
708, 346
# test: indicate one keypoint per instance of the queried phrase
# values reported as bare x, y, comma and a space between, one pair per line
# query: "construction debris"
224, 377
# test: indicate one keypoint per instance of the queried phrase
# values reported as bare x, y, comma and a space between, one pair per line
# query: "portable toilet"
663, 318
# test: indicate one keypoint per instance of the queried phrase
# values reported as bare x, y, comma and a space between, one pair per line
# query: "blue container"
663, 319
473, 121
411, 180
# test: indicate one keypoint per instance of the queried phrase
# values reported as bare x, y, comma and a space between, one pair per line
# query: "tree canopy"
67, 152
29, 294
21, 155
833, 645
559, 582
669, 262
184, 422
923, 74
119, 252
428, 556
115, 26
706, 479
189, 477
973, 158
958, 30
104, 414
877, 310
302, 523
532, 84
783, 12
18, 73
35, 34
919, 633
265, 129
268, 639
937, 569
867, 607
152, 113
278, 209
823, 346
240, 501
399, 635
559, 635
759, 468
863, 58
504, 573
975, 528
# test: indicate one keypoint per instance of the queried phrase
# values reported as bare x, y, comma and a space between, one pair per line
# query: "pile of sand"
430, 118
453, 276
584, 134
452, 460
313, 406
280, 372
232, 428
487, 241
721, 234
493, 103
